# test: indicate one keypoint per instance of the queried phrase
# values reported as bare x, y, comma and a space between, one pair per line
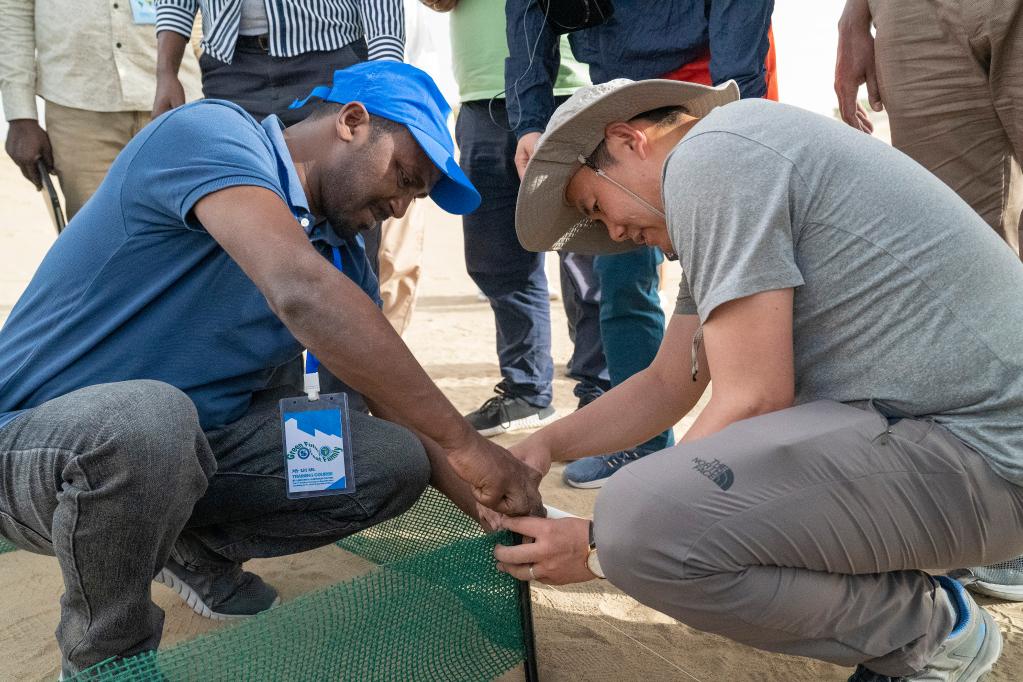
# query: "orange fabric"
698, 70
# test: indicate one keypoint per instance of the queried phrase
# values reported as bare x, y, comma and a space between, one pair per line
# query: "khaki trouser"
805, 531
401, 264
951, 77
85, 144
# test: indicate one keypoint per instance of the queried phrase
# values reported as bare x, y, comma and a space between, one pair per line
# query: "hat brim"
543, 219
453, 192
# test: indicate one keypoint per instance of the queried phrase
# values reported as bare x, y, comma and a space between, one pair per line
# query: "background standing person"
950, 76
263, 56
512, 278
687, 40
94, 63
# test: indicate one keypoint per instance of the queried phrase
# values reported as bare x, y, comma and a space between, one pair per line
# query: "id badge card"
143, 11
317, 446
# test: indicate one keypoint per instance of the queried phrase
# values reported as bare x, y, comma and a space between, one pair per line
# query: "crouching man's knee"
157, 442
624, 544
391, 467
643, 541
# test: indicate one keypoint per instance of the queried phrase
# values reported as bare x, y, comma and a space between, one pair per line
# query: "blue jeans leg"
511, 277
580, 291
631, 319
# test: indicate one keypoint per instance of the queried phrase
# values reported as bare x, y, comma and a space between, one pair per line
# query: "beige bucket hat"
543, 219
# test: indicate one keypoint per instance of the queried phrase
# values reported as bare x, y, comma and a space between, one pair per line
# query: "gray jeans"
805, 531
114, 478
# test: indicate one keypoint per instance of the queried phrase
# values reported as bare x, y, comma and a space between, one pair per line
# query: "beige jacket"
86, 54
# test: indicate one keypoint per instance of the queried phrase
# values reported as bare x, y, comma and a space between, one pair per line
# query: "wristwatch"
592, 562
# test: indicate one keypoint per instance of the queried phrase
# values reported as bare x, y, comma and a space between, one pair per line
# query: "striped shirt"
296, 26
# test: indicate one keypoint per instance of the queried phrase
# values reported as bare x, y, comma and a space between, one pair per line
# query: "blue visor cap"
407, 95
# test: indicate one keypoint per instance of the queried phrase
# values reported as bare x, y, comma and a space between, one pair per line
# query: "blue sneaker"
591, 472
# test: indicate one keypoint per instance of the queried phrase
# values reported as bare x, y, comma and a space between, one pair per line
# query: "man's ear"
352, 121
623, 137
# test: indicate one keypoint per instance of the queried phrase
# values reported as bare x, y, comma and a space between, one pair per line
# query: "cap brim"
543, 219
453, 192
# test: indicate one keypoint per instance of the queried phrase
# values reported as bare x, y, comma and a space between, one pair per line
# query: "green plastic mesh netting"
6, 546
435, 608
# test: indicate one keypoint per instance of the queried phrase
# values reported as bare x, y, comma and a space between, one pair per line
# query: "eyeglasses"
643, 202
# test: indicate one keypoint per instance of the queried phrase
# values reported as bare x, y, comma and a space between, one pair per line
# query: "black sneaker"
505, 412
219, 596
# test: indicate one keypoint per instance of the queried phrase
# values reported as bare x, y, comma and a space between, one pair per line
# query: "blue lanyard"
312, 363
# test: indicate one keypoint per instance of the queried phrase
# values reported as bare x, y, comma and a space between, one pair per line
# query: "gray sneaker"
219, 596
1001, 581
967, 655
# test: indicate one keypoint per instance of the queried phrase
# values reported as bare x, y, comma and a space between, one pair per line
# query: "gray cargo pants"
114, 478
805, 531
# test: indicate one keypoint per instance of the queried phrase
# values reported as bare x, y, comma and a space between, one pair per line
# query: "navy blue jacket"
644, 39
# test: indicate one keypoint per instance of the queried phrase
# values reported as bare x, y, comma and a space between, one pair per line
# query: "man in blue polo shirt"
140, 372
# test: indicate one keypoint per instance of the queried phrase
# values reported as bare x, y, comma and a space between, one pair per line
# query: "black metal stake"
526, 616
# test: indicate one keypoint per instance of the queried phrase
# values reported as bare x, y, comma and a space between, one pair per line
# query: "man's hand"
440, 5
27, 142
169, 94
498, 480
557, 554
489, 520
854, 65
524, 151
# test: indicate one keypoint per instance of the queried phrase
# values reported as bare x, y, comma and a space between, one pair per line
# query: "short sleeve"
731, 206
684, 303
191, 152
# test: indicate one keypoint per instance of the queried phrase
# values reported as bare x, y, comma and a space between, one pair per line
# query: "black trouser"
262, 84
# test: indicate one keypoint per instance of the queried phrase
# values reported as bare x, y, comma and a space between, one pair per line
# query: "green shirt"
479, 48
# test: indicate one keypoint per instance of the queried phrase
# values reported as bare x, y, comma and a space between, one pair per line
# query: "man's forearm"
722, 412
355, 342
630, 413
855, 16
444, 478
170, 48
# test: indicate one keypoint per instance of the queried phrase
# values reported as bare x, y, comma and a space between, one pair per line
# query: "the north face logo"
720, 473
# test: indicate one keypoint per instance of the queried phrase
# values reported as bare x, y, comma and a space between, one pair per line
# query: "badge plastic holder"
314, 452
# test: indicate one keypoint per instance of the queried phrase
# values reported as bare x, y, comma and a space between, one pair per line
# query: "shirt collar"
318, 229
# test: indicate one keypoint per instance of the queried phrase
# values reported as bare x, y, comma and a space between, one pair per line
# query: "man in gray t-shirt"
857, 320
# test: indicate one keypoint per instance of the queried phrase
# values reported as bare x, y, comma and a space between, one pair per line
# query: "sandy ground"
584, 632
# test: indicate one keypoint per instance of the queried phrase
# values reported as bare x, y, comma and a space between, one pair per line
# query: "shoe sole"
586, 485
531, 422
1004, 592
990, 650
192, 599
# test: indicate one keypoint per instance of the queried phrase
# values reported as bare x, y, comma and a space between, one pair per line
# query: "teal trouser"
631, 319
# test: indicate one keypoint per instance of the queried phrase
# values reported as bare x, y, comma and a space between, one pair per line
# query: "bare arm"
749, 350
330, 315
170, 48
854, 65
632, 412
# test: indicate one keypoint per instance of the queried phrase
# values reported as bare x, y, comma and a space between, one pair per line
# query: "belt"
260, 42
